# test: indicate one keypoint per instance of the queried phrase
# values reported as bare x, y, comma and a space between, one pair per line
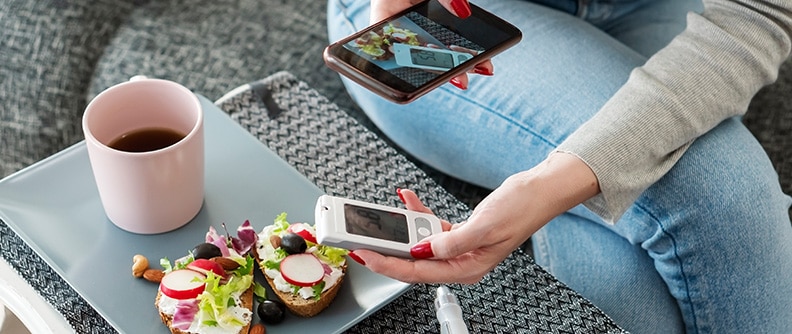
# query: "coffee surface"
146, 139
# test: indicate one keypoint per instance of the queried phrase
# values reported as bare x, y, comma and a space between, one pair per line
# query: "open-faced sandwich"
211, 289
305, 276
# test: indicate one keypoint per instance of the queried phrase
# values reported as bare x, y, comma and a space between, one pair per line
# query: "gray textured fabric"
48, 53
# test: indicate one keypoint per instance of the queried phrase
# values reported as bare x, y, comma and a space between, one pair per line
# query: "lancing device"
449, 314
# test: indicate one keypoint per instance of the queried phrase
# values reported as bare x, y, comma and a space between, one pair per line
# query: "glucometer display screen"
429, 58
376, 223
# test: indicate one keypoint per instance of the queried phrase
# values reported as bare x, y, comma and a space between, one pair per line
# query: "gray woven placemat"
345, 159
51, 286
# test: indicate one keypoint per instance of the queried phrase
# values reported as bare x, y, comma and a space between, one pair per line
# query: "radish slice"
303, 230
302, 269
182, 284
205, 266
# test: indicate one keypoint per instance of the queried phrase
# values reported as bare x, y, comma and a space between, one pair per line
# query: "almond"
226, 263
258, 329
275, 241
153, 275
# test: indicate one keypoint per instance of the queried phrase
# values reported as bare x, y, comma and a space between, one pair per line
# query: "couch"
56, 55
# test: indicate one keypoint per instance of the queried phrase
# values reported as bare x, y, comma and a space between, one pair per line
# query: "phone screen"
418, 46
375, 223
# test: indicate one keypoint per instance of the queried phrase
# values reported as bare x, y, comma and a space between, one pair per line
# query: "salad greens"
330, 255
378, 45
217, 298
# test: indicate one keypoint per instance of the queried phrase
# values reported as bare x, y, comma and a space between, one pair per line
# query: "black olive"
293, 244
206, 251
271, 311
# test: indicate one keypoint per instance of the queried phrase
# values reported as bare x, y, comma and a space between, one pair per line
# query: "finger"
458, 48
460, 81
459, 240
484, 68
413, 203
422, 271
443, 245
460, 8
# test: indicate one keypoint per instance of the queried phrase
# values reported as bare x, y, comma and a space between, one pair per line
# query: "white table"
30, 308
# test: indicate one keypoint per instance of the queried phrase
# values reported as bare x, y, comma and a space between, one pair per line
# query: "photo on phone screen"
418, 49
414, 48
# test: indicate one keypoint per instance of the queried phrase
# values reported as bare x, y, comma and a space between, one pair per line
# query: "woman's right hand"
382, 9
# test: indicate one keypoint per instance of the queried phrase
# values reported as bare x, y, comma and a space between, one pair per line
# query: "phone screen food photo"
410, 53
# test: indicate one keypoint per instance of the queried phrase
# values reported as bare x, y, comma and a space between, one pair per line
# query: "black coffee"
146, 139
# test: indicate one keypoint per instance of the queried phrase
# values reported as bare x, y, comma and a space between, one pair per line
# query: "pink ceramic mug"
145, 142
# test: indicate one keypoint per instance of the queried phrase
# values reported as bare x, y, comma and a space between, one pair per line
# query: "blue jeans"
708, 248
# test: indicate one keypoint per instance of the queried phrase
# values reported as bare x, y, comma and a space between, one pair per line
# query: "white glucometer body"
427, 58
352, 224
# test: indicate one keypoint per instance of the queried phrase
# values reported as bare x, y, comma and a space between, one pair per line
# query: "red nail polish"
357, 258
401, 197
457, 84
482, 70
461, 7
422, 251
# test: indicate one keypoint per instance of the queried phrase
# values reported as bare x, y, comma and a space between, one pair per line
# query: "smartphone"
352, 224
407, 55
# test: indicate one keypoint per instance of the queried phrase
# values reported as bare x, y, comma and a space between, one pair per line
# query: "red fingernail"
401, 197
457, 83
461, 7
357, 258
482, 70
422, 251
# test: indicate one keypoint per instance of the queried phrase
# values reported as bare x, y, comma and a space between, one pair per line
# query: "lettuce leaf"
332, 255
259, 291
246, 266
178, 264
216, 299
281, 224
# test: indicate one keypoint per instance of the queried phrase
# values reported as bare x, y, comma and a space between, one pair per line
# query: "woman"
632, 109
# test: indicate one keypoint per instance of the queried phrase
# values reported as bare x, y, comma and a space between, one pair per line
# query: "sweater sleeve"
705, 75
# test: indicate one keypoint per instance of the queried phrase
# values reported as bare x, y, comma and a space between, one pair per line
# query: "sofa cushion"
48, 53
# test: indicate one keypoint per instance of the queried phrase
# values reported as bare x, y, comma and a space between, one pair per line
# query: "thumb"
459, 240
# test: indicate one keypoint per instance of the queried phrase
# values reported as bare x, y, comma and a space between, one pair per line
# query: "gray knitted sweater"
705, 75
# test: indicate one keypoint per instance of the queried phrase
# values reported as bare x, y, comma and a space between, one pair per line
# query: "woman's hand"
499, 224
382, 9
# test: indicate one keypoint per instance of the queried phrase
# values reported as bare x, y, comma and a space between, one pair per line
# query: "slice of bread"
247, 302
297, 304
307, 307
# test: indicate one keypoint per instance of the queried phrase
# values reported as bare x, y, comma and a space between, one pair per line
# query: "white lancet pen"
449, 314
